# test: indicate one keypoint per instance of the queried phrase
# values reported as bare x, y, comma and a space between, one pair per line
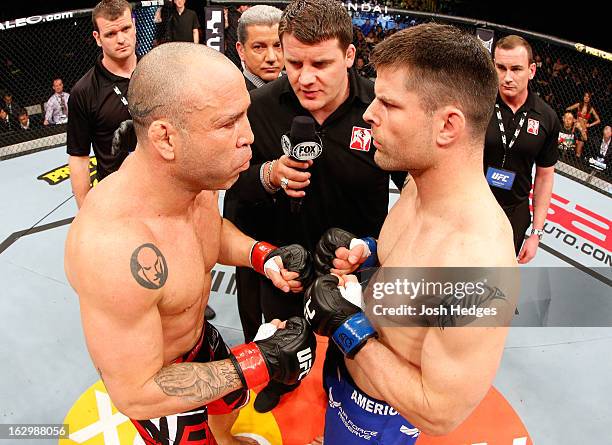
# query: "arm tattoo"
452, 319
149, 266
199, 382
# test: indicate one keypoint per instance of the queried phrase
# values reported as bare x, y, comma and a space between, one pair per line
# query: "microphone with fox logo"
302, 144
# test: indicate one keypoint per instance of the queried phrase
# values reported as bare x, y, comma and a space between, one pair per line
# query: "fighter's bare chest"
190, 249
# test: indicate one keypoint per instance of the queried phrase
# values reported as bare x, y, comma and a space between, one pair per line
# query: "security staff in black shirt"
343, 187
183, 25
523, 130
98, 101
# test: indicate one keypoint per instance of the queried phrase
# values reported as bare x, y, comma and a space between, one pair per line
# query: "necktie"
63, 104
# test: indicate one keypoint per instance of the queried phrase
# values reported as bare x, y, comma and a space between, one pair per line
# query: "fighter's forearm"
198, 383
400, 384
178, 388
235, 246
542, 192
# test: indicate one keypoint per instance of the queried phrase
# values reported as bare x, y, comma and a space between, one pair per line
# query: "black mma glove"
124, 138
294, 257
335, 238
286, 356
332, 315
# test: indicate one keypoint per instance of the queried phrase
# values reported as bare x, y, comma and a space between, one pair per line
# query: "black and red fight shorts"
191, 428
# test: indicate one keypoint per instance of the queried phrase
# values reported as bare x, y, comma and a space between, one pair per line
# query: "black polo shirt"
536, 143
96, 110
347, 189
181, 26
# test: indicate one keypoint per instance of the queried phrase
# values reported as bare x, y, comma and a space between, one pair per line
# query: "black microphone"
302, 144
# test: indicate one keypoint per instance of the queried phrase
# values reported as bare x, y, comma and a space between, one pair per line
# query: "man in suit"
601, 152
27, 123
259, 46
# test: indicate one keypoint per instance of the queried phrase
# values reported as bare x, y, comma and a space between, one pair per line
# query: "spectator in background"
9, 105
161, 19
232, 15
364, 69
594, 80
571, 137
56, 108
601, 152
25, 123
259, 46
370, 38
6, 122
366, 27
586, 114
559, 65
183, 25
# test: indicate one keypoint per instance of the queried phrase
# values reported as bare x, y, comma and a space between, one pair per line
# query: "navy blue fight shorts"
354, 418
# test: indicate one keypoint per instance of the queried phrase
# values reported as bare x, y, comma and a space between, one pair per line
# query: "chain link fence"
65, 49
565, 72
34, 51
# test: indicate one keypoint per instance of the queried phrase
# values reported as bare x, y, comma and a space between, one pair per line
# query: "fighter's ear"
449, 125
163, 137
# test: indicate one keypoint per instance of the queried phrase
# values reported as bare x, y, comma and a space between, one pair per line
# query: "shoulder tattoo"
149, 266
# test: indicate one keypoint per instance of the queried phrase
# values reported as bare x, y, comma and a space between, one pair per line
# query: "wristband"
371, 246
353, 334
259, 252
250, 365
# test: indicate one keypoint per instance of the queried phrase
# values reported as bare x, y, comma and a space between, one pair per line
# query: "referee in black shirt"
523, 130
342, 188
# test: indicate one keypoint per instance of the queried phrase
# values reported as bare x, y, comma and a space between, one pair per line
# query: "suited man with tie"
56, 108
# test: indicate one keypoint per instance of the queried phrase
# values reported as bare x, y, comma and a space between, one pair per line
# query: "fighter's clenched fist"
332, 314
286, 355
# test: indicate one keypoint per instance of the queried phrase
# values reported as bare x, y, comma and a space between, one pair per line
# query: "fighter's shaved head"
172, 81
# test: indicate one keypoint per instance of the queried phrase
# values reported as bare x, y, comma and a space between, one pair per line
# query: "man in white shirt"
56, 108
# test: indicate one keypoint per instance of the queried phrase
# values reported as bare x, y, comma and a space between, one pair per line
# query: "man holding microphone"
342, 187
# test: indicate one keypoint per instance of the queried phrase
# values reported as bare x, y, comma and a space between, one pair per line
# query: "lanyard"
503, 131
120, 94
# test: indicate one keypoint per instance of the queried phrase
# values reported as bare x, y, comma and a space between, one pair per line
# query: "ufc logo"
214, 26
499, 177
305, 360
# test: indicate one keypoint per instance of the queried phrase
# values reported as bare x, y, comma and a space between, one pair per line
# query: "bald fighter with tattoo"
387, 382
140, 253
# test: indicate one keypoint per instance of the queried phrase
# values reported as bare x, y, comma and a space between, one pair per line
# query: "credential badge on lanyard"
503, 131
